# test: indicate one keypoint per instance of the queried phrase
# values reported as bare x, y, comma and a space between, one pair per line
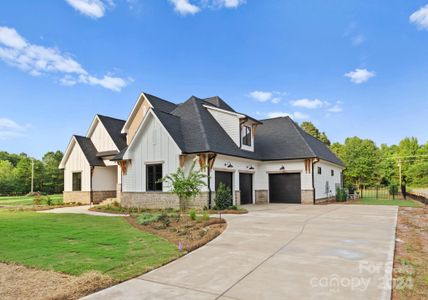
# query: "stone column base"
237, 197
308, 196
82, 197
261, 197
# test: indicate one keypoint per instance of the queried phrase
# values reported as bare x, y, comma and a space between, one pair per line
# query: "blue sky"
351, 67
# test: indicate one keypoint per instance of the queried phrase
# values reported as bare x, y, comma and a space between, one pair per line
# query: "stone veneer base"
85, 197
261, 197
159, 200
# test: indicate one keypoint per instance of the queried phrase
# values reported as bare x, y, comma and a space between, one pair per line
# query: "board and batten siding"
77, 162
101, 139
229, 122
152, 144
320, 181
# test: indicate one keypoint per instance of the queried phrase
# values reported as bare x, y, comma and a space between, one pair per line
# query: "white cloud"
335, 108
39, 60
91, 8
297, 115
261, 96
10, 129
228, 3
308, 103
276, 100
360, 75
420, 17
184, 7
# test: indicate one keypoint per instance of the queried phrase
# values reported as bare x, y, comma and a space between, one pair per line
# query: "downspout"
91, 193
209, 180
314, 161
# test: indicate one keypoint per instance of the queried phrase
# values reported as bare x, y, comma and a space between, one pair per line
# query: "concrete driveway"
282, 252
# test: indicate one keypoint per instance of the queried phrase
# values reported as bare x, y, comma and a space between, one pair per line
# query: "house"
261, 161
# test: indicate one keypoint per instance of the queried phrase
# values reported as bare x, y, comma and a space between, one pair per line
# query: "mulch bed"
411, 254
187, 234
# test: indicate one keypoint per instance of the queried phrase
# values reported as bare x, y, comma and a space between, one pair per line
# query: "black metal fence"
381, 192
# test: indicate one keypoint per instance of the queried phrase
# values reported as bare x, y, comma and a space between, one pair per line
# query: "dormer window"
246, 136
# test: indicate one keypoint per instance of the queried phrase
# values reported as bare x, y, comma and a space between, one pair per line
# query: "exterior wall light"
282, 168
228, 164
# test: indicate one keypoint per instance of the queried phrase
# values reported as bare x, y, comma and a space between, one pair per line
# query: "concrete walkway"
84, 209
281, 252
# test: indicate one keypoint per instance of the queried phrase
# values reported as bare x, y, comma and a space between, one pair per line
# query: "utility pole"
32, 175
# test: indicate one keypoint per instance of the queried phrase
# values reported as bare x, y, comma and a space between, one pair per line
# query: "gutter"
91, 193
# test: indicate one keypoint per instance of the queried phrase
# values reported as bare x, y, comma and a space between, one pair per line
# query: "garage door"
225, 178
284, 188
246, 188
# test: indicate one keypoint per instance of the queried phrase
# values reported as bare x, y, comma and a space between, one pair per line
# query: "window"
77, 182
319, 170
332, 172
246, 135
154, 175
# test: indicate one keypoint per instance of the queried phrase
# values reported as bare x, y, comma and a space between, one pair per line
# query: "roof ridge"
300, 134
158, 98
104, 116
164, 112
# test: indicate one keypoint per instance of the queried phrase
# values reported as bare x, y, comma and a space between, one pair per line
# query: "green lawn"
26, 200
374, 201
75, 244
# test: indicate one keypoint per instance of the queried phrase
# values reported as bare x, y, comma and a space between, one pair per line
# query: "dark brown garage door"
284, 188
225, 178
246, 188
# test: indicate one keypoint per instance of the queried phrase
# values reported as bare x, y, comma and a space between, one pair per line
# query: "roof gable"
88, 149
114, 127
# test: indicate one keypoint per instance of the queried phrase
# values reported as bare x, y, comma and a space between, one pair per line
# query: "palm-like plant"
186, 187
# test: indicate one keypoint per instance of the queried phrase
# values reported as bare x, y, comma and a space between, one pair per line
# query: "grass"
374, 201
75, 244
26, 200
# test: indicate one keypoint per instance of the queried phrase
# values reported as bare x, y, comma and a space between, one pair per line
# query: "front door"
246, 188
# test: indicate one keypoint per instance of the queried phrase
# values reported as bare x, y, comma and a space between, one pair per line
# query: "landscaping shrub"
341, 195
192, 214
164, 218
37, 200
205, 216
49, 201
223, 198
147, 218
233, 207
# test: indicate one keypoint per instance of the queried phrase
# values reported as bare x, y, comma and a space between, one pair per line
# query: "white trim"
131, 116
224, 111
285, 172
145, 118
67, 153
157, 162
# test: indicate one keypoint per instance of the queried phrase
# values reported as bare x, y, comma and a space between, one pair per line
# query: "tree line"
15, 173
370, 165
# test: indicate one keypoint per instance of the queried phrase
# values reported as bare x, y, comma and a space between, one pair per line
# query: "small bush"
223, 198
205, 216
37, 200
49, 201
147, 218
233, 207
164, 218
393, 190
341, 195
192, 214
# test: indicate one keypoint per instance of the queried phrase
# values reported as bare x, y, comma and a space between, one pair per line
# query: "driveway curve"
281, 252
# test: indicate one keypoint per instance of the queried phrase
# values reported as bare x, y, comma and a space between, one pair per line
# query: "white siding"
101, 139
104, 178
76, 162
229, 122
321, 180
152, 144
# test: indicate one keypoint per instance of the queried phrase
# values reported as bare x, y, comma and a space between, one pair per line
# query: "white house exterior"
267, 161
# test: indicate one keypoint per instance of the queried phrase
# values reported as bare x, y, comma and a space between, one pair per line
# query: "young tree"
53, 177
186, 187
6, 177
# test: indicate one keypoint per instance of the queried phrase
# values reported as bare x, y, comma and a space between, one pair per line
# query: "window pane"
246, 136
77, 181
154, 174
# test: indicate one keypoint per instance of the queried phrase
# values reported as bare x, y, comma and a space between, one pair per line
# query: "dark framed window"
246, 135
77, 181
153, 177
319, 170
332, 172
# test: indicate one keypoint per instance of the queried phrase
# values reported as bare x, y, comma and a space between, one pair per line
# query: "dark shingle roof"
114, 128
120, 155
218, 102
89, 150
195, 130
160, 104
